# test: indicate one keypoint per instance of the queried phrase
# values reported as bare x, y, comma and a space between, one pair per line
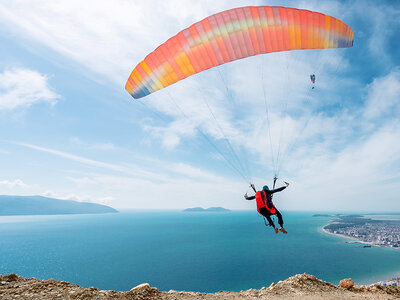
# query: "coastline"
356, 240
353, 240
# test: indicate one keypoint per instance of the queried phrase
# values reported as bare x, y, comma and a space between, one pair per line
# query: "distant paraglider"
312, 77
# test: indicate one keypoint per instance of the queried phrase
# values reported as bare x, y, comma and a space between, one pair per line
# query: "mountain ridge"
210, 209
11, 205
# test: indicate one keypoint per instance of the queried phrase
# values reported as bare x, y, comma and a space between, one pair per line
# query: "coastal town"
383, 233
370, 232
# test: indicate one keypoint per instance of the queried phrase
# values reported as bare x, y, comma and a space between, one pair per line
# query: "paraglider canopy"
234, 34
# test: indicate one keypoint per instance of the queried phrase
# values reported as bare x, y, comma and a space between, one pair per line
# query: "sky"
69, 130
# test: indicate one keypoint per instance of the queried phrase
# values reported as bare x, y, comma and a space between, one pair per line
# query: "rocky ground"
302, 286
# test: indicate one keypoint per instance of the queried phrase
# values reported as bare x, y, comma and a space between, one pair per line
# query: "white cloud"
134, 171
24, 87
386, 19
93, 146
106, 37
17, 183
3, 151
83, 181
174, 192
383, 96
79, 198
361, 176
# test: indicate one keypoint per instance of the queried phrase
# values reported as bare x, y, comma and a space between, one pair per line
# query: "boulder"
272, 285
140, 286
347, 283
11, 277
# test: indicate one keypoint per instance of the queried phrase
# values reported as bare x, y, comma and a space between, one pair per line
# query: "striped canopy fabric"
234, 34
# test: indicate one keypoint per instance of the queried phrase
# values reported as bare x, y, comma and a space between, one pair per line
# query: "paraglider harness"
264, 200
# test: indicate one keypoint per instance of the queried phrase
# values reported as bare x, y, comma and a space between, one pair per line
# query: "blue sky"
70, 130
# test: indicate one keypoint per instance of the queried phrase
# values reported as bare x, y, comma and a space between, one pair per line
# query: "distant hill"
210, 209
322, 215
38, 205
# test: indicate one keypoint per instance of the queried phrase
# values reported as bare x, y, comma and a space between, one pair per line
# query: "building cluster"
385, 233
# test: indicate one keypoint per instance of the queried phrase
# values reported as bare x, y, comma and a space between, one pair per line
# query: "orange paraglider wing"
234, 34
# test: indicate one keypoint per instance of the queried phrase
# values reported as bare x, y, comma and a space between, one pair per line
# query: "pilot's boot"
281, 229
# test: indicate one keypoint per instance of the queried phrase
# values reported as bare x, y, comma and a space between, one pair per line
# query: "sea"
204, 252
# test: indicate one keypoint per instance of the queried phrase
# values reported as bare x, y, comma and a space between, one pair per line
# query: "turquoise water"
204, 252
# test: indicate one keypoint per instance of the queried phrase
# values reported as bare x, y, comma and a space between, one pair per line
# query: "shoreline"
355, 240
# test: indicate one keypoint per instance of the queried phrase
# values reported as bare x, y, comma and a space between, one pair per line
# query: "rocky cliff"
302, 286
